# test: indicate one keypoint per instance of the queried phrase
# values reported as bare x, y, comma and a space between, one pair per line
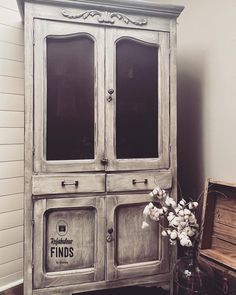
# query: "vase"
190, 278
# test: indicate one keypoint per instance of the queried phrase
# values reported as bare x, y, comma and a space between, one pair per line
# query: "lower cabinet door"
133, 251
68, 241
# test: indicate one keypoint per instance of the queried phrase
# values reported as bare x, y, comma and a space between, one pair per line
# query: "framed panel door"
131, 250
68, 241
68, 97
137, 106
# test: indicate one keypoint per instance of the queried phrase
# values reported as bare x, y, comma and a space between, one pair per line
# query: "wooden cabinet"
100, 131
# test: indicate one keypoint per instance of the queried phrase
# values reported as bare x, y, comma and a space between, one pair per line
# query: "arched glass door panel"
70, 98
136, 99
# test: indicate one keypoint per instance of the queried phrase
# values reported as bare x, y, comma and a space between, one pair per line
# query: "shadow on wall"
190, 125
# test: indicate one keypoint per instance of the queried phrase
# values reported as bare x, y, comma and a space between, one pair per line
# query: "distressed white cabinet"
100, 133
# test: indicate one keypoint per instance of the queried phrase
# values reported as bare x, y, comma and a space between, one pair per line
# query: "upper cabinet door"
68, 97
137, 106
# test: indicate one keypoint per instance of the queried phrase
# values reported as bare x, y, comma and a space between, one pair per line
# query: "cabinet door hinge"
33, 222
33, 151
170, 148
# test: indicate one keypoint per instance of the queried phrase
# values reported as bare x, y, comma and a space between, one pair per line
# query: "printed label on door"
70, 239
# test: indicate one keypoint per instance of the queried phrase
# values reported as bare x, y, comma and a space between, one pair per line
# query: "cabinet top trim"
138, 6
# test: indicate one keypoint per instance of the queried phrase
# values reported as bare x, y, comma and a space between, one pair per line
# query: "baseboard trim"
11, 285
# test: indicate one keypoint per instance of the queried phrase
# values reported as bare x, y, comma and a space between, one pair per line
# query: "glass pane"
70, 98
136, 100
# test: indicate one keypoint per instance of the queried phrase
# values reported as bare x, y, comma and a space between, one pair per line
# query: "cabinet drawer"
70, 183
138, 181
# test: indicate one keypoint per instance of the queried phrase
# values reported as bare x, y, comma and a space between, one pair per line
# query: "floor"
130, 291
120, 291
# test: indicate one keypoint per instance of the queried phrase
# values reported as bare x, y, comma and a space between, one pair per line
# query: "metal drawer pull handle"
109, 236
75, 183
145, 181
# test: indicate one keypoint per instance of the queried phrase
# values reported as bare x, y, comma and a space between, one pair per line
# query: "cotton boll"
183, 242
186, 217
177, 210
175, 222
168, 231
167, 202
164, 209
160, 196
151, 194
169, 218
161, 211
195, 204
182, 224
173, 235
182, 235
188, 243
155, 191
164, 233
181, 218
187, 212
173, 203
150, 205
172, 242
191, 233
145, 225
182, 202
181, 213
190, 206
146, 211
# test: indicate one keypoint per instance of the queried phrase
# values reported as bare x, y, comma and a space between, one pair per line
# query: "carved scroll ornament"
105, 17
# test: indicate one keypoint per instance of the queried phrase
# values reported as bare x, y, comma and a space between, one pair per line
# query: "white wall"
11, 144
206, 92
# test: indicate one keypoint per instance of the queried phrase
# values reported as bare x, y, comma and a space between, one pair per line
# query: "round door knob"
109, 237
110, 230
111, 91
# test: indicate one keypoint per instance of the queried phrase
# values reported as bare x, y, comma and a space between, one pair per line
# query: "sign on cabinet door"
68, 241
